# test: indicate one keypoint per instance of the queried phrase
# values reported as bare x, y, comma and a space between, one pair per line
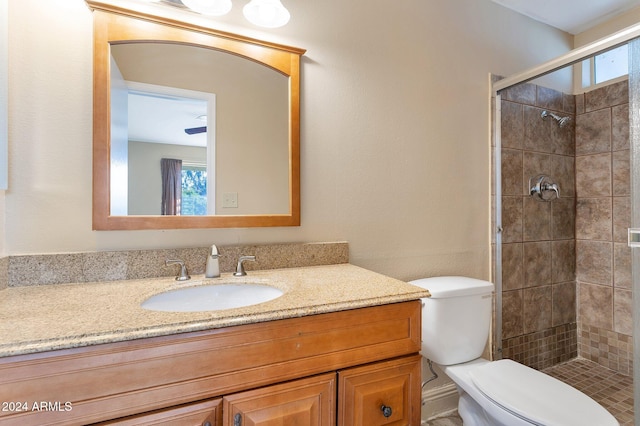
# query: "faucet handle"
240, 272
184, 274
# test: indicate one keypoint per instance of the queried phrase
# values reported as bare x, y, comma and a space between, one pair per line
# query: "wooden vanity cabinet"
311, 370
384, 393
306, 402
207, 413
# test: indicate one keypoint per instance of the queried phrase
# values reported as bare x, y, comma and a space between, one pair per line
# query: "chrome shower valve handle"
542, 188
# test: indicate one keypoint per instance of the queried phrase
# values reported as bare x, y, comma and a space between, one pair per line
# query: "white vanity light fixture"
266, 13
209, 7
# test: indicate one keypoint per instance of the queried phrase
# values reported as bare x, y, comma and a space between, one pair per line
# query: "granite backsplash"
42, 269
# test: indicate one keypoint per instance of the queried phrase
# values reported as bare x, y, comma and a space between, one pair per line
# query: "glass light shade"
209, 7
266, 13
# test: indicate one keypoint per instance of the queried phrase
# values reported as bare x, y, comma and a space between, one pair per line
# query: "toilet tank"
456, 319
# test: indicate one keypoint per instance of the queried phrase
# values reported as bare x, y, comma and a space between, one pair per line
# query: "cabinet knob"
206, 424
386, 411
237, 420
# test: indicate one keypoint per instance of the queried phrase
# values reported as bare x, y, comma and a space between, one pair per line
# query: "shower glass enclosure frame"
629, 35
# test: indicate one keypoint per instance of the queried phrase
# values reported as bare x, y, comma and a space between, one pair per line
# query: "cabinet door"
384, 393
306, 402
207, 413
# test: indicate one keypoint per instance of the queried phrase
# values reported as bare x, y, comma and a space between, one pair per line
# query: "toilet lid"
537, 397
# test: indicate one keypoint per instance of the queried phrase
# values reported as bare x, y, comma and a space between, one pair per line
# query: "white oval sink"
211, 297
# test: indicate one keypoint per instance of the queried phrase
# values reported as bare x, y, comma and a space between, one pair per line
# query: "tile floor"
612, 390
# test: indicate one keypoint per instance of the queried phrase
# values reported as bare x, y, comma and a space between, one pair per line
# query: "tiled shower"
566, 268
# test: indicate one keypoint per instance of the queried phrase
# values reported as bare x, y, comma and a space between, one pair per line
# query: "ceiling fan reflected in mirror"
196, 130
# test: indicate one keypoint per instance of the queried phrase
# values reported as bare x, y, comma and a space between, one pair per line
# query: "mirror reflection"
196, 131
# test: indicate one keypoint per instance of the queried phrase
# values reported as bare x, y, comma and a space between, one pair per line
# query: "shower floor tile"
612, 390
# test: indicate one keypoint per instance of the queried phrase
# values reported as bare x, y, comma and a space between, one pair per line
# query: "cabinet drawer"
306, 402
207, 413
385, 393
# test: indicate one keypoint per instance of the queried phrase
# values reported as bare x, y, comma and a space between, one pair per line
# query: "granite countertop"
49, 317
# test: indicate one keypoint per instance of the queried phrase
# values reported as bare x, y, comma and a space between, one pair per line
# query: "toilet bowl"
455, 327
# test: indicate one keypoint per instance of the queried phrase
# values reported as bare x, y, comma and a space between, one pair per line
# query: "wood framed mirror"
248, 92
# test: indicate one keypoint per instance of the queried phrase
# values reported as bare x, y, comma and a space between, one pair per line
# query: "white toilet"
455, 326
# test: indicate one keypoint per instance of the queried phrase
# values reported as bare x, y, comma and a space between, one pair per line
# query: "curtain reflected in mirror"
171, 172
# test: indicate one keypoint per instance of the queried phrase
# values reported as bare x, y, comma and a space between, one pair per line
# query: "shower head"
562, 121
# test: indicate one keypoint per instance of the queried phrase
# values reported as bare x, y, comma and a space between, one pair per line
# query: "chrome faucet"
213, 265
240, 272
184, 274
542, 188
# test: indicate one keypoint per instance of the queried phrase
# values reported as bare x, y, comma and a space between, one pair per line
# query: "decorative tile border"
607, 348
543, 349
45, 269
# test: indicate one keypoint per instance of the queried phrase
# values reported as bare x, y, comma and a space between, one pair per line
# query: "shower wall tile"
512, 122
511, 172
594, 219
522, 93
549, 98
563, 303
537, 265
511, 219
608, 96
621, 172
593, 175
564, 170
594, 262
621, 218
596, 305
536, 220
563, 261
563, 219
622, 266
603, 268
623, 311
593, 132
534, 164
538, 251
568, 103
620, 127
537, 130
563, 139
512, 266
537, 308
512, 314
580, 103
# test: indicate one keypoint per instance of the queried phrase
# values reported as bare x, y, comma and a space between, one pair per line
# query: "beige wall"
617, 23
395, 130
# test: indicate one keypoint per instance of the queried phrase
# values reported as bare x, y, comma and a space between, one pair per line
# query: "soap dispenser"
213, 266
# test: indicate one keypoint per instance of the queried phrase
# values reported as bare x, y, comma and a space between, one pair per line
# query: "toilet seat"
536, 397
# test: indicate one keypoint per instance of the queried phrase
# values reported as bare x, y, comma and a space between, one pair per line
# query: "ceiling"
158, 118
572, 16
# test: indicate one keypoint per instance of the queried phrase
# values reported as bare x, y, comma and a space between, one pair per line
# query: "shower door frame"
574, 56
